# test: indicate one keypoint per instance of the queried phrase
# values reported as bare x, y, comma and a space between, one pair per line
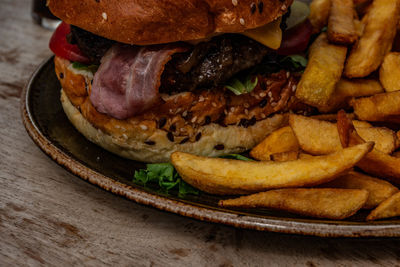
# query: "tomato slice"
295, 40
60, 46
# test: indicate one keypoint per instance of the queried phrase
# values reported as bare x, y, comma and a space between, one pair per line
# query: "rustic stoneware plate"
50, 129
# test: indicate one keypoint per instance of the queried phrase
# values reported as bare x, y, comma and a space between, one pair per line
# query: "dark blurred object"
42, 15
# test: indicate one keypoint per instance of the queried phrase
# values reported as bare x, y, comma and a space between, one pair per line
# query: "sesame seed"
143, 127
253, 8
246, 105
294, 87
271, 99
263, 116
178, 110
194, 119
125, 136
232, 109
170, 110
269, 94
117, 126
182, 129
287, 74
269, 82
274, 104
283, 7
263, 94
246, 111
234, 2
241, 20
184, 114
104, 15
225, 112
257, 97
201, 98
214, 104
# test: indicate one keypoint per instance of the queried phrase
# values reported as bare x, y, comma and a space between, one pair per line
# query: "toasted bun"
146, 22
130, 138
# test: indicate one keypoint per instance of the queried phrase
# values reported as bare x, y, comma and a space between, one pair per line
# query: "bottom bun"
216, 140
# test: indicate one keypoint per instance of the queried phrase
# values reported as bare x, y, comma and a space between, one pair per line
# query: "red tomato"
296, 39
59, 45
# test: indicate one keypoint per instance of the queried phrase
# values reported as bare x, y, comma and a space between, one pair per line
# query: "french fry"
380, 29
285, 156
381, 107
345, 90
319, 14
341, 28
379, 190
387, 209
327, 203
322, 137
323, 71
327, 117
389, 73
376, 163
224, 176
281, 140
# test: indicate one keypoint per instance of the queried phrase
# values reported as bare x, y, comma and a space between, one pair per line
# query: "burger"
145, 78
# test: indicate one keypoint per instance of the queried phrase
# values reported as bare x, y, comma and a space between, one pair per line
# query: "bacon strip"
127, 81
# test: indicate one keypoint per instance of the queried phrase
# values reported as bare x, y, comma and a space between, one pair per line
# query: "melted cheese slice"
269, 35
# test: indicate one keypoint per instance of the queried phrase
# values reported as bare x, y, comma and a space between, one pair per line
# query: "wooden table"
50, 217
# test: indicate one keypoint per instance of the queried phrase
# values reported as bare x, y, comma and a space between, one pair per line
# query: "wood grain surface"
50, 217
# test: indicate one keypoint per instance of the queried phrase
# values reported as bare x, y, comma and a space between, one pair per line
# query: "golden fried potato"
387, 209
281, 140
315, 136
327, 203
323, 71
328, 117
345, 90
285, 156
376, 163
225, 176
319, 14
341, 28
378, 35
381, 107
379, 190
389, 73
322, 137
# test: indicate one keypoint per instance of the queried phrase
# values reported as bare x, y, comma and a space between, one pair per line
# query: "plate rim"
255, 222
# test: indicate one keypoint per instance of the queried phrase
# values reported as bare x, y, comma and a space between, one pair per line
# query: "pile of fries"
333, 164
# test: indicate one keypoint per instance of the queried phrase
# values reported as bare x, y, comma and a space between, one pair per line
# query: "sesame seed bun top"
145, 22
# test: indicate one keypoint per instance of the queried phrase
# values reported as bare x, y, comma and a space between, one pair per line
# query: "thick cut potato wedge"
281, 140
345, 90
375, 162
224, 176
327, 203
387, 209
323, 71
376, 41
328, 117
381, 107
389, 73
322, 137
379, 190
341, 28
285, 156
319, 14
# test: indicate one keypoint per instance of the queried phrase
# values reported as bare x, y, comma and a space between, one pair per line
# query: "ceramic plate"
50, 129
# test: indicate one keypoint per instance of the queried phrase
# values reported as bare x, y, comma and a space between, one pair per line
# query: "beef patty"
205, 65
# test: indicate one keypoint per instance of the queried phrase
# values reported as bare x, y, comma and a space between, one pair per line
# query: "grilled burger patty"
205, 65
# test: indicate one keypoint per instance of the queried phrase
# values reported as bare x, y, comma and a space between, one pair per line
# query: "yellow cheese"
269, 35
